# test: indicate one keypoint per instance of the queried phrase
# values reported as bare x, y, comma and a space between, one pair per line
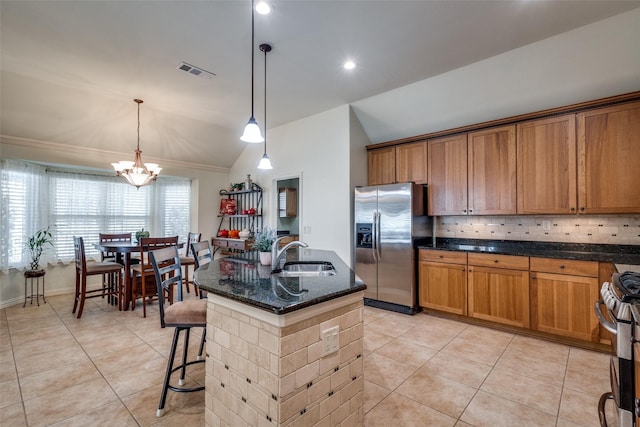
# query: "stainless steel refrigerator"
389, 219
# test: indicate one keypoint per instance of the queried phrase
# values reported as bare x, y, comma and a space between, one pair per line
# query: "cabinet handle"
495, 260
561, 266
470, 210
464, 211
464, 269
572, 209
441, 256
533, 276
582, 209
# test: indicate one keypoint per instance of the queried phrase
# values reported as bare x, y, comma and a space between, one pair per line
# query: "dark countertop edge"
618, 254
289, 309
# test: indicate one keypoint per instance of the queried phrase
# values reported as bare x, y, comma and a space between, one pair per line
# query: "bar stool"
182, 315
31, 275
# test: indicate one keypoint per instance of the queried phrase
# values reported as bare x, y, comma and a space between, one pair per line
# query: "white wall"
317, 149
61, 279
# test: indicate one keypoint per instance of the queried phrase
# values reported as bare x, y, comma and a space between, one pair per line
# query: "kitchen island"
283, 350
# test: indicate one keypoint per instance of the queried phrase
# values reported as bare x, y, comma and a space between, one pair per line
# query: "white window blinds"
84, 204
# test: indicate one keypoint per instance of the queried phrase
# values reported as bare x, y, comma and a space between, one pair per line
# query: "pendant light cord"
138, 125
252, 47
265, 101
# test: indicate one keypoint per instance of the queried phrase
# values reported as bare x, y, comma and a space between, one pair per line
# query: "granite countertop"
617, 254
243, 279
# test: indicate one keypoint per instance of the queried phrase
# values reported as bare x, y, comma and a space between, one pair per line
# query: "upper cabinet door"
492, 171
411, 162
609, 159
447, 175
382, 166
547, 166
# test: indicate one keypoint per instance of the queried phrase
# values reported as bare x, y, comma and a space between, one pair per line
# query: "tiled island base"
265, 369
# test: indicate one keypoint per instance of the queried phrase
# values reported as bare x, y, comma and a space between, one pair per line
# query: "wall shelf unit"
249, 200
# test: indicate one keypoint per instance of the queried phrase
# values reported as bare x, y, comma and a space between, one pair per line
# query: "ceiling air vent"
196, 71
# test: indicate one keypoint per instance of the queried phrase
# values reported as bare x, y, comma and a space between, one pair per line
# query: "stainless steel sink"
305, 269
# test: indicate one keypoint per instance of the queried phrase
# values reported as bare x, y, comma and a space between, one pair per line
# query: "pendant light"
265, 163
136, 173
252, 130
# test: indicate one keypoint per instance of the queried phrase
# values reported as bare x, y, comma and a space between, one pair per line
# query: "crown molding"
56, 146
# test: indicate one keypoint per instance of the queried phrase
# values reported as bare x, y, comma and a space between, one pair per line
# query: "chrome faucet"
276, 253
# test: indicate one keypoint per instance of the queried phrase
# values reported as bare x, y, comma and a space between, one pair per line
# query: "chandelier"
136, 173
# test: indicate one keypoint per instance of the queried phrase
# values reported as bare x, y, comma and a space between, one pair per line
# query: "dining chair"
111, 256
181, 315
84, 269
201, 252
142, 277
187, 260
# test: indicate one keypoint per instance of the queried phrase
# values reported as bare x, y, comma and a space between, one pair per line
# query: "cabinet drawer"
237, 244
564, 266
443, 256
219, 242
499, 261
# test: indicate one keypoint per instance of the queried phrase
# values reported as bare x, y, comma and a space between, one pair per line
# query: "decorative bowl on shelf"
244, 234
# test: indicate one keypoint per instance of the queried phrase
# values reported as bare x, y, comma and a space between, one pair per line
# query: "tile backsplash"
609, 229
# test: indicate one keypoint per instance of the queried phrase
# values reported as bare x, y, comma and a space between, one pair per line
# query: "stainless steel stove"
618, 296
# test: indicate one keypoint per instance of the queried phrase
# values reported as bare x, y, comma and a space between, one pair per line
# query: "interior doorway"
287, 206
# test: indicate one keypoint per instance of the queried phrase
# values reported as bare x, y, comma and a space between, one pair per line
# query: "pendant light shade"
252, 130
136, 173
265, 163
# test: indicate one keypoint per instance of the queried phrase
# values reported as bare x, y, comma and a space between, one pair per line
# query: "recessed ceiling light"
349, 65
263, 8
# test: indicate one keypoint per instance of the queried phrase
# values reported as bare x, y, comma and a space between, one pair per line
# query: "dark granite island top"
243, 279
617, 254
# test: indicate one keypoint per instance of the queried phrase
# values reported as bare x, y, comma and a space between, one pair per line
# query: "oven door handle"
609, 326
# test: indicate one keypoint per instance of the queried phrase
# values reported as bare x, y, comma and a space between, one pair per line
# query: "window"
84, 204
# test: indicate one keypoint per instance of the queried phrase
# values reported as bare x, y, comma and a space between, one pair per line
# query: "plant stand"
31, 275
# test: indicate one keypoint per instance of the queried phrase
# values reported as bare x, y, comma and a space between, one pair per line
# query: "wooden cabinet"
499, 288
382, 166
400, 163
287, 202
492, 171
447, 175
546, 166
562, 296
411, 162
473, 174
608, 159
443, 281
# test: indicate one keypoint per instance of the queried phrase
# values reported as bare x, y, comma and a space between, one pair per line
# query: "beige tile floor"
107, 367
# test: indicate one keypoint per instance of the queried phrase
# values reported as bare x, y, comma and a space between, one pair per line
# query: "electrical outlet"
546, 225
330, 340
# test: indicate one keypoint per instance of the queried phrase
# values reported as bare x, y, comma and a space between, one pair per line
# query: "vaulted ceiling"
71, 69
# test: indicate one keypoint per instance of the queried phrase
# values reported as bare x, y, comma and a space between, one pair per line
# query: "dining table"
123, 251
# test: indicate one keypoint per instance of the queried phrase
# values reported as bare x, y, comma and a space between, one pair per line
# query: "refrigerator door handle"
378, 240
374, 240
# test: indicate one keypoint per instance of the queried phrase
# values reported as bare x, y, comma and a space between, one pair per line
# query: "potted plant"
36, 244
140, 234
263, 244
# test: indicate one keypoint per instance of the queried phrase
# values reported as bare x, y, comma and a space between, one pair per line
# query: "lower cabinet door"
563, 305
499, 295
443, 287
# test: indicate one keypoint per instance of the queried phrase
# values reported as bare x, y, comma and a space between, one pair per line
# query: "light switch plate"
330, 340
